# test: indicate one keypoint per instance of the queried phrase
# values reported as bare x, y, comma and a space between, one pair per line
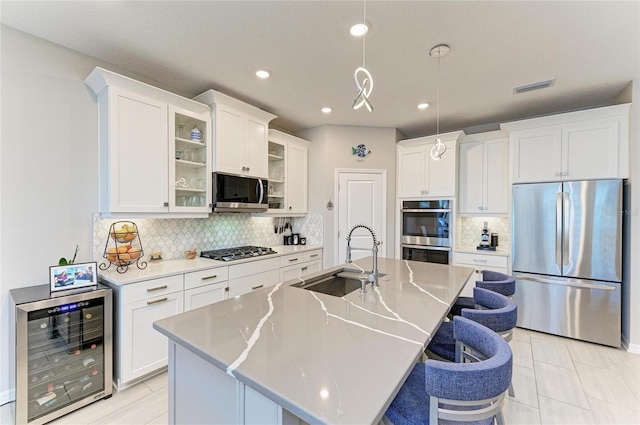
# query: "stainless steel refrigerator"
567, 253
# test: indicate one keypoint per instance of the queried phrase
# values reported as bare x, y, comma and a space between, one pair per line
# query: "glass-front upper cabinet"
190, 161
276, 188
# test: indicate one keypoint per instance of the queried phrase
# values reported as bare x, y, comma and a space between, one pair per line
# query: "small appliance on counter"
486, 239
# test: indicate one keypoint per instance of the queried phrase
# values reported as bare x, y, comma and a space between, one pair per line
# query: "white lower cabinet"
298, 265
254, 275
205, 287
142, 349
480, 262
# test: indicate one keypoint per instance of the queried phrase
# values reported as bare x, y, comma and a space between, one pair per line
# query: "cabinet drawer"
479, 260
253, 267
313, 255
293, 259
152, 288
249, 283
205, 277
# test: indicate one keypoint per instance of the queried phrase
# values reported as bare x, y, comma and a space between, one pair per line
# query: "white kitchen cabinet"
140, 349
301, 264
137, 147
484, 175
288, 173
419, 175
479, 261
247, 277
205, 287
590, 144
240, 135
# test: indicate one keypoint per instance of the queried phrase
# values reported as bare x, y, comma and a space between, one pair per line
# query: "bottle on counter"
484, 238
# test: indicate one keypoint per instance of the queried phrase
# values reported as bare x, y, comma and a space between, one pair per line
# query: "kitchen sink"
338, 284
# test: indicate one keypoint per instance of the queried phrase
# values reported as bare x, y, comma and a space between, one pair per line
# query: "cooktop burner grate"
239, 253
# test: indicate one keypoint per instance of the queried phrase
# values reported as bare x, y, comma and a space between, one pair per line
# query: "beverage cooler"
63, 351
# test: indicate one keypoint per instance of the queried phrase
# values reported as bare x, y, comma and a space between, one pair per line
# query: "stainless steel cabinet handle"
209, 277
166, 204
480, 208
157, 288
558, 174
313, 256
479, 261
226, 289
304, 269
291, 260
256, 287
571, 284
248, 169
161, 300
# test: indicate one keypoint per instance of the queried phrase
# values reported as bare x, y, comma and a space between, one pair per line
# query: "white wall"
330, 148
631, 283
48, 167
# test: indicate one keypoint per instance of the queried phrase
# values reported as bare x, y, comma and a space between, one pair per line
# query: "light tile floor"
556, 381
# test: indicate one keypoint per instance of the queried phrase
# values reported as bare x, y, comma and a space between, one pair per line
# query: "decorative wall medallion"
361, 150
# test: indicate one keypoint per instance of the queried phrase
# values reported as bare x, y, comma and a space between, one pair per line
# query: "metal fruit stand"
123, 247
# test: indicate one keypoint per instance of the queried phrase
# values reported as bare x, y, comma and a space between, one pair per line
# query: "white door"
362, 199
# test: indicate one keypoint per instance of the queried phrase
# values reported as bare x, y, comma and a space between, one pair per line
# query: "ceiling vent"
533, 86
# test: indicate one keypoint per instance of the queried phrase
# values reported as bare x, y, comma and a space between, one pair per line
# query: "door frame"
336, 216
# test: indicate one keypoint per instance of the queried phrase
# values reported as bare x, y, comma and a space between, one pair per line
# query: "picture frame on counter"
73, 276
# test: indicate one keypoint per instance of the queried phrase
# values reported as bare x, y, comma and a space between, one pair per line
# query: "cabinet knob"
248, 169
166, 204
244, 168
290, 207
480, 208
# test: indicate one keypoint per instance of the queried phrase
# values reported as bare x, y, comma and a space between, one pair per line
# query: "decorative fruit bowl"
126, 233
123, 247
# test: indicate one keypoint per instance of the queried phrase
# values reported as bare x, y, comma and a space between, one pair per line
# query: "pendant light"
438, 148
362, 77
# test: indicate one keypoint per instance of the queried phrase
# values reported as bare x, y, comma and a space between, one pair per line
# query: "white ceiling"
592, 49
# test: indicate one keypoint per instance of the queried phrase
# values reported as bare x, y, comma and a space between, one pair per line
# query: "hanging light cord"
438, 100
364, 37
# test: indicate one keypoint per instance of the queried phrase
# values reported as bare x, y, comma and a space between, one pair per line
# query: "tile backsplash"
471, 229
173, 236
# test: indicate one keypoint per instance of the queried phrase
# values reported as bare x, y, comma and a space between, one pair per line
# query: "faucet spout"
373, 277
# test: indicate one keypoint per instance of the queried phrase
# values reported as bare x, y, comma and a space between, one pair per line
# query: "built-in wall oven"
425, 231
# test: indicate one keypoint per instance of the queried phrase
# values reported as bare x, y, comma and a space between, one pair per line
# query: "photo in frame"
73, 276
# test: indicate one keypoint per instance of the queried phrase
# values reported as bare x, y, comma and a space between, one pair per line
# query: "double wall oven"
425, 231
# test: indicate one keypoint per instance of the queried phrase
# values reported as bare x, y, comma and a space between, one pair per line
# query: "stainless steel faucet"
373, 277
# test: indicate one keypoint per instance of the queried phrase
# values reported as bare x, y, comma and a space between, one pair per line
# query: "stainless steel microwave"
239, 194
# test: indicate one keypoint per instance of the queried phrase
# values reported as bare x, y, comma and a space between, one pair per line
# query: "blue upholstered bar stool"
497, 313
493, 281
441, 392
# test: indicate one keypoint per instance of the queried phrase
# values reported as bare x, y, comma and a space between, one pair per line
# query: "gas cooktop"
239, 253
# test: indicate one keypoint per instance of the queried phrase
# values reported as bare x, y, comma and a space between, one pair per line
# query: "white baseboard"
631, 348
7, 396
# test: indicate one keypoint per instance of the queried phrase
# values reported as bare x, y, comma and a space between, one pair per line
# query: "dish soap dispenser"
485, 237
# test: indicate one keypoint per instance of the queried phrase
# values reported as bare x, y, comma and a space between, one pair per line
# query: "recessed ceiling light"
423, 106
263, 73
358, 30
327, 110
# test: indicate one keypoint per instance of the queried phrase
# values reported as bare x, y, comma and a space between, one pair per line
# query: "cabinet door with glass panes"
276, 189
189, 161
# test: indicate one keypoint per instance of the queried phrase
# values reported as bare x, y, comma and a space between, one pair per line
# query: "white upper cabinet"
288, 173
590, 144
240, 135
138, 144
421, 176
484, 174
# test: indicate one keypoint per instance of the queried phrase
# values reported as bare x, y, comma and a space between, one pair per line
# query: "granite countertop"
164, 268
325, 359
473, 250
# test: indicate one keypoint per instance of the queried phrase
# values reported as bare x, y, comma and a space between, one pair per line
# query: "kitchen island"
284, 354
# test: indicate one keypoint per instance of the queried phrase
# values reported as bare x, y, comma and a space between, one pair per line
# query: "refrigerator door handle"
565, 228
573, 284
559, 197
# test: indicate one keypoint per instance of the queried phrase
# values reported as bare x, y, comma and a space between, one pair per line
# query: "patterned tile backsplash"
173, 236
471, 229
